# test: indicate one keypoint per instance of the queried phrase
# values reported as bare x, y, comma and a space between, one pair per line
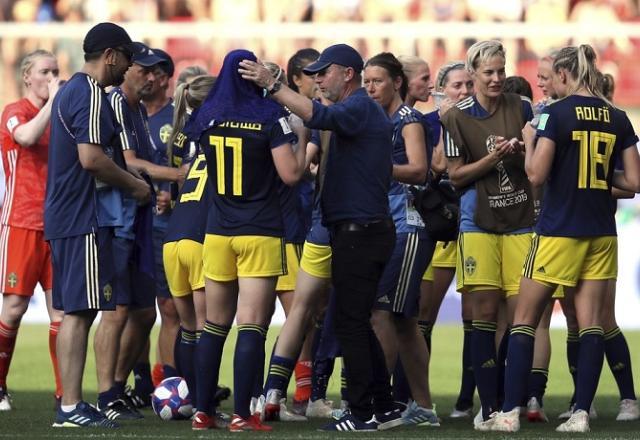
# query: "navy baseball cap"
106, 35
144, 56
167, 63
341, 54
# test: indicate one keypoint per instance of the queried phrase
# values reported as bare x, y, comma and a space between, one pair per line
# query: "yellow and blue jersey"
589, 135
243, 177
189, 216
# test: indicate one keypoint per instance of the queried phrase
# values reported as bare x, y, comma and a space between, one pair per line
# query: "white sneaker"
320, 408
478, 417
461, 414
486, 425
507, 421
628, 411
578, 422
287, 416
565, 415
535, 412
5, 401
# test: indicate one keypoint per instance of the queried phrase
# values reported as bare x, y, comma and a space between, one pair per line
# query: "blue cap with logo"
144, 56
167, 62
341, 54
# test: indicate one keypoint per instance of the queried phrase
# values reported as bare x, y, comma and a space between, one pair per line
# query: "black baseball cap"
341, 54
144, 56
106, 35
167, 62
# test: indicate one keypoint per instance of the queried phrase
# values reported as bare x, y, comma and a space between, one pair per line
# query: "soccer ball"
171, 400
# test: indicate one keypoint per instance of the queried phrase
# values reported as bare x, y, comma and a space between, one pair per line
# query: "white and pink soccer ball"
171, 400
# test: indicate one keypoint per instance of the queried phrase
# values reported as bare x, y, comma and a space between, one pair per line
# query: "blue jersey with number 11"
589, 136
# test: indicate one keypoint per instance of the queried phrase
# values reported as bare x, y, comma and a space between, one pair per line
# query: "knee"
167, 308
13, 311
146, 316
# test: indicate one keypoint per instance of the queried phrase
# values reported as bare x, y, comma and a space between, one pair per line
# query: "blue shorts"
83, 272
162, 288
399, 288
328, 346
131, 287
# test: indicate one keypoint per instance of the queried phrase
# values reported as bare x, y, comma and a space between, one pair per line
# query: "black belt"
377, 225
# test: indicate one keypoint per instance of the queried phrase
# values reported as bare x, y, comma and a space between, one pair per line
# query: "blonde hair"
580, 63
187, 95
188, 73
482, 51
410, 64
443, 73
29, 60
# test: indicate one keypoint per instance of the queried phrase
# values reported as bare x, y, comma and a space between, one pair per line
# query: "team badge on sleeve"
12, 123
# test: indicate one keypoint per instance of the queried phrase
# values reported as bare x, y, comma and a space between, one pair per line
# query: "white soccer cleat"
320, 408
565, 415
507, 421
628, 411
578, 422
535, 412
5, 401
479, 424
461, 414
287, 416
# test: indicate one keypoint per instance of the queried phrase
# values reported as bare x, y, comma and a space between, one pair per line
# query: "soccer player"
24, 254
578, 141
84, 131
122, 334
356, 211
496, 207
453, 80
182, 250
395, 311
247, 142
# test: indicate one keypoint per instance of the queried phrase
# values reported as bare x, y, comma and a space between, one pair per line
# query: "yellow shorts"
251, 256
183, 266
444, 256
287, 283
491, 261
316, 260
566, 260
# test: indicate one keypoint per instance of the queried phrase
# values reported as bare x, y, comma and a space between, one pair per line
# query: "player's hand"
163, 202
256, 73
528, 134
445, 105
141, 192
53, 86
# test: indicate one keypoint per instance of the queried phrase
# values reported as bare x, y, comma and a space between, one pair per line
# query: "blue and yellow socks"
590, 362
519, 360
209, 355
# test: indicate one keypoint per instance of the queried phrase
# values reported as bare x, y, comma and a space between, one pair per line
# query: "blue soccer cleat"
84, 416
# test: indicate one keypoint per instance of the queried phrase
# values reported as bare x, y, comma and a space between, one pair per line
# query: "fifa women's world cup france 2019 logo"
504, 182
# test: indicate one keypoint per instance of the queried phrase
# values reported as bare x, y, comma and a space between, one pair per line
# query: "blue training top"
399, 194
80, 114
358, 168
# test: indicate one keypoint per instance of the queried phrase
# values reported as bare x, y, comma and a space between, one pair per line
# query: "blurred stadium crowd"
615, 54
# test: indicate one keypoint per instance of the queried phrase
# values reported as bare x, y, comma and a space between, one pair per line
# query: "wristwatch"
275, 87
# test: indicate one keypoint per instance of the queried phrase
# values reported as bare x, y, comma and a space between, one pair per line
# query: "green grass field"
31, 384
